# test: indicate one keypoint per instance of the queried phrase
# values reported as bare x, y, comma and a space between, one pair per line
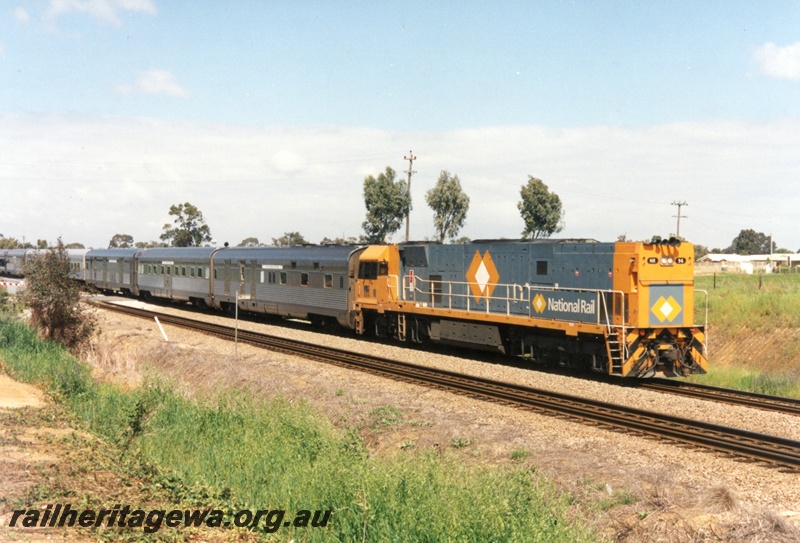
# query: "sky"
269, 115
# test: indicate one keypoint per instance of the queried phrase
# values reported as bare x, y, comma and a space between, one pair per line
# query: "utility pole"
679, 204
411, 158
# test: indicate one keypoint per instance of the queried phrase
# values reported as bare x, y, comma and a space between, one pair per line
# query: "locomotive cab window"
368, 270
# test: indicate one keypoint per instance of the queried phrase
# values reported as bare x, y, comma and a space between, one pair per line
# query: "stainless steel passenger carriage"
112, 270
77, 264
12, 260
176, 273
302, 282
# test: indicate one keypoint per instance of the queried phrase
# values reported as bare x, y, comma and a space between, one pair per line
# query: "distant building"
746, 263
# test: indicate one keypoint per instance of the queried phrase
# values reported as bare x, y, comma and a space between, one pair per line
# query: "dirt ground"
44, 460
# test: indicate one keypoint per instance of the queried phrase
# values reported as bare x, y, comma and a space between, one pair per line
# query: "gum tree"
189, 230
540, 209
449, 204
387, 202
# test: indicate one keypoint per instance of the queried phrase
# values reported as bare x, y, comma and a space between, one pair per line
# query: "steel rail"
755, 400
775, 451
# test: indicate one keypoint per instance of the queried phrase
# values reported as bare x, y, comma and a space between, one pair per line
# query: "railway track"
790, 406
775, 451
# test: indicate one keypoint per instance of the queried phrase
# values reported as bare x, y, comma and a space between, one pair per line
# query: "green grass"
737, 301
240, 452
744, 306
754, 381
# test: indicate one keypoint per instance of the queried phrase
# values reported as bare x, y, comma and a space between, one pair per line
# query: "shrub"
54, 300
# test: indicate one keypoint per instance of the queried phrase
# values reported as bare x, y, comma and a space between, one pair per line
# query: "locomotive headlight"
670, 261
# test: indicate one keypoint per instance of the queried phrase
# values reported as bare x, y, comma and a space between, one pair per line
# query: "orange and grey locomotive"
619, 308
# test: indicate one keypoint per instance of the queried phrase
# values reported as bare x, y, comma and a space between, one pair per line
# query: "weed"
519, 454
460, 442
386, 415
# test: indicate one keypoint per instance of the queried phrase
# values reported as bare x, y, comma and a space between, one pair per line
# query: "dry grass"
759, 527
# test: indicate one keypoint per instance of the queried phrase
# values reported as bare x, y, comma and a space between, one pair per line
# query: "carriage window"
262, 276
215, 273
283, 278
328, 280
304, 279
183, 271
341, 282
191, 272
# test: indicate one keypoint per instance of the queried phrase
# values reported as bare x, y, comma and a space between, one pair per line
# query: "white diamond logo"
539, 304
665, 309
482, 276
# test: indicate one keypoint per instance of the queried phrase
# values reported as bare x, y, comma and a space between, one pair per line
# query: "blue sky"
268, 115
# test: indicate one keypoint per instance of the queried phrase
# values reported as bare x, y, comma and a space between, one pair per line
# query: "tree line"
388, 203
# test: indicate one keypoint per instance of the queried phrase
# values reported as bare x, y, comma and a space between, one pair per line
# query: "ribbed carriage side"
307, 282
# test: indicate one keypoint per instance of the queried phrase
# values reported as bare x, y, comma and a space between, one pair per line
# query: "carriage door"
168, 278
226, 277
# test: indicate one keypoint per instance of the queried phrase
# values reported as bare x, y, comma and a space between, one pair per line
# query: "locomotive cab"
375, 284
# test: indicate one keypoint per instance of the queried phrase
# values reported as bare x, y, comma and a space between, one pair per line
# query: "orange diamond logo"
666, 309
539, 303
482, 276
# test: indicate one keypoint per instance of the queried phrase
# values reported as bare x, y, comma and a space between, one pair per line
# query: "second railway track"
775, 451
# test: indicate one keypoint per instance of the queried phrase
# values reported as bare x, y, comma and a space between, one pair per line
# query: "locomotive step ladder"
401, 327
616, 353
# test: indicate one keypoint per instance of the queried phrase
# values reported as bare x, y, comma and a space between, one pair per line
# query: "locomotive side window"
304, 279
283, 278
541, 267
328, 280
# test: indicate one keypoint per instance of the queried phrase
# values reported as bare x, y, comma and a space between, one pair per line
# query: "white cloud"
121, 176
21, 16
155, 82
104, 11
779, 62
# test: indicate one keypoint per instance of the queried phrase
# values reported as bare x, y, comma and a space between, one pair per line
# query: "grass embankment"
237, 453
754, 331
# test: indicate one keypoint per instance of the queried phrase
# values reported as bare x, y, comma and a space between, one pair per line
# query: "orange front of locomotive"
661, 334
